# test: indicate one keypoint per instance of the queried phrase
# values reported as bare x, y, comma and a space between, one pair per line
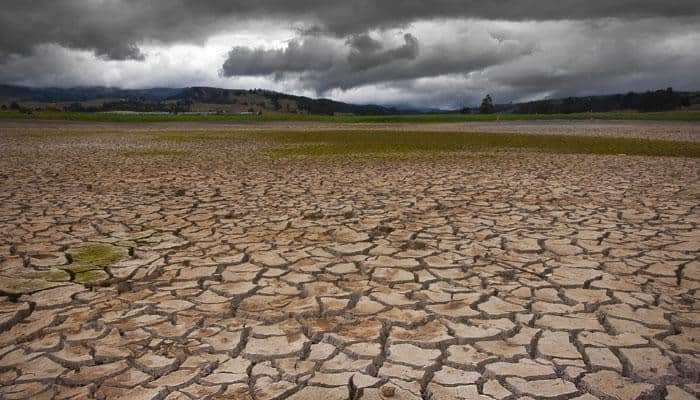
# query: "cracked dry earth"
227, 275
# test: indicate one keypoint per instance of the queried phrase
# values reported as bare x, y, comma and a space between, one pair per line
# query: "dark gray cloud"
515, 61
310, 54
114, 29
364, 43
323, 64
368, 53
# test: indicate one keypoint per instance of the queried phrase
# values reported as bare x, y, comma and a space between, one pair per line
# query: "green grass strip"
413, 119
378, 142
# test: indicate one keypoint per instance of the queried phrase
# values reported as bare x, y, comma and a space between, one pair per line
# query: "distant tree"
74, 107
3, 107
14, 106
465, 110
487, 105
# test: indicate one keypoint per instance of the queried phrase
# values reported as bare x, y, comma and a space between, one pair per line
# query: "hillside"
194, 99
266, 100
237, 101
649, 101
49, 95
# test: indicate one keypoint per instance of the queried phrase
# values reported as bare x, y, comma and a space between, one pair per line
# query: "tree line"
650, 101
132, 105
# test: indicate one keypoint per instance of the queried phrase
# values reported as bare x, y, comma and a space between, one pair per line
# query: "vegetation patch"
408, 119
155, 153
89, 262
383, 142
13, 285
50, 134
53, 275
188, 136
97, 255
91, 276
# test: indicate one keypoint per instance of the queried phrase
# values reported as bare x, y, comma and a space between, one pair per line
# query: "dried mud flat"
668, 130
225, 274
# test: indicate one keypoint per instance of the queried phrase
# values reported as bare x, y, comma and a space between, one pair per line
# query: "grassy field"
155, 153
418, 118
333, 143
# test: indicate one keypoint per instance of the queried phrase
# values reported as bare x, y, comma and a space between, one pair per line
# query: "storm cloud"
324, 63
439, 53
368, 53
115, 28
299, 56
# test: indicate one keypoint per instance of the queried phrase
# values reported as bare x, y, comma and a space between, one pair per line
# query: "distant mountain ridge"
648, 101
201, 98
211, 95
53, 94
247, 99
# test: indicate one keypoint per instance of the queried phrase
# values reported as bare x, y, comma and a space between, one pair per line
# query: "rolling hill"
198, 99
216, 100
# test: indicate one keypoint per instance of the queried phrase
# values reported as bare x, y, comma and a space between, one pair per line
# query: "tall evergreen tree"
487, 105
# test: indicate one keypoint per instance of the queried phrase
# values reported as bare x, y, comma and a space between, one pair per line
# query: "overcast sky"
414, 52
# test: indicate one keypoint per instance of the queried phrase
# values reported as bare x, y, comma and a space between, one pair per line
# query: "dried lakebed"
141, 268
